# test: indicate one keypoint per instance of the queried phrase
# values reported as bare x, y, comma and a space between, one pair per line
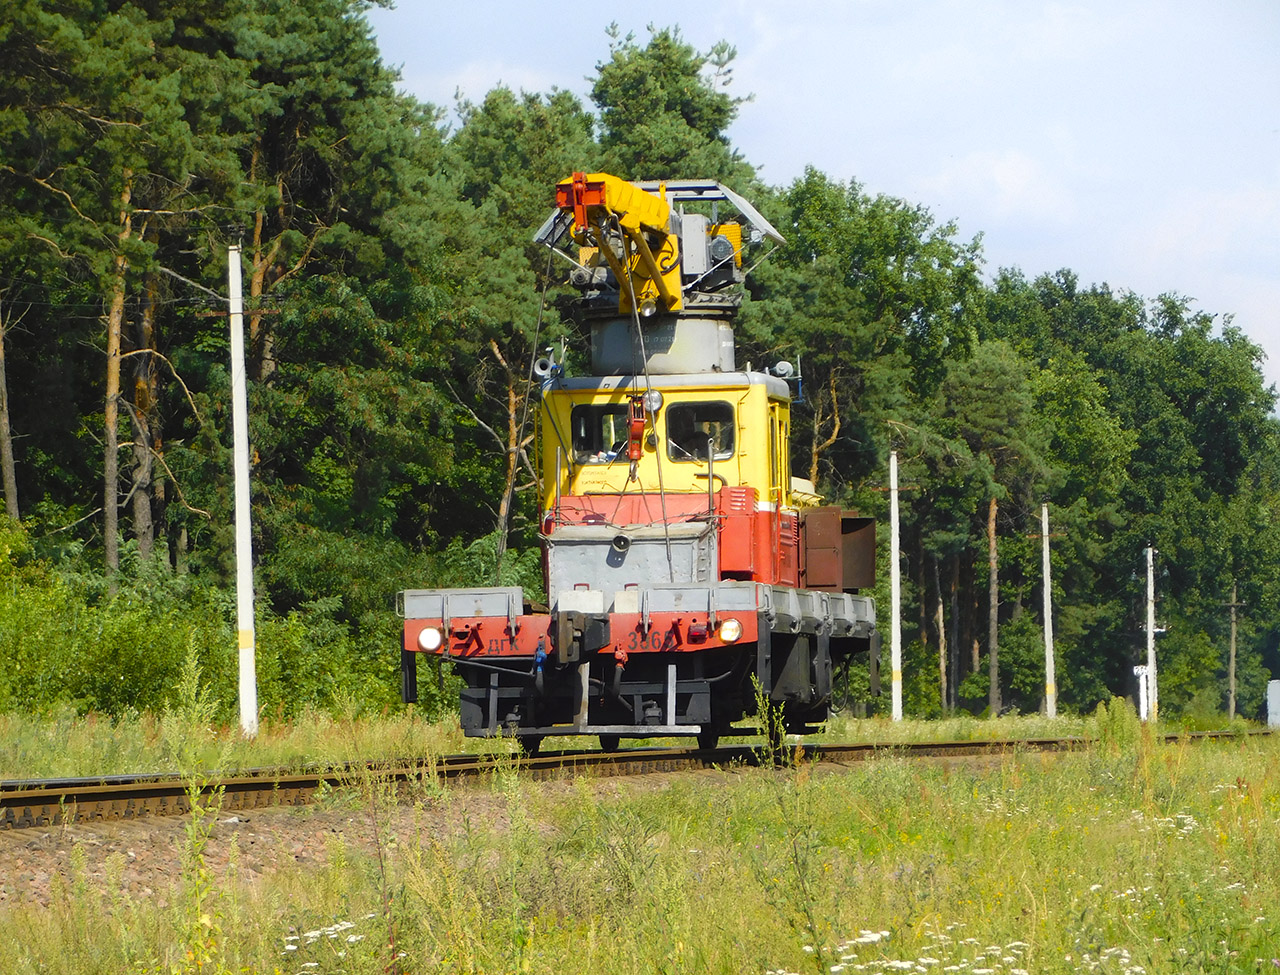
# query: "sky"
1134, 142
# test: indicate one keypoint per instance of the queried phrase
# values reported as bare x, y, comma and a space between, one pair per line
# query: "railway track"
31, 803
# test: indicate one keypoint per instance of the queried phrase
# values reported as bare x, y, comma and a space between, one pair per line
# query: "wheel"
529, 744
708, 739
610, 743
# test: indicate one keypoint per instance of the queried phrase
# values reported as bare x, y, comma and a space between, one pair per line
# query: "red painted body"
490, 636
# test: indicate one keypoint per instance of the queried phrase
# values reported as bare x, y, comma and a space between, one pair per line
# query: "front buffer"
658, 661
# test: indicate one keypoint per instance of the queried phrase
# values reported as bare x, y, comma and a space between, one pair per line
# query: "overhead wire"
648, 381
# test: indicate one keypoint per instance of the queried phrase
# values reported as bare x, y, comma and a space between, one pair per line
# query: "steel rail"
29, 803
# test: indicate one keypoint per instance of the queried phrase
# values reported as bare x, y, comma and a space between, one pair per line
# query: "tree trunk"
817, 449
920, 566
262, 265
512, 456
509, 473
115, 318
145, 427
954, 642
939, 622
971, 619
1230, 669
110, 462
6, 437
267, 269
993, 606
260, 340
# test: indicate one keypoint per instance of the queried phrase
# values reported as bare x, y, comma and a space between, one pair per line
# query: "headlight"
730, 631
430, 639
653, 400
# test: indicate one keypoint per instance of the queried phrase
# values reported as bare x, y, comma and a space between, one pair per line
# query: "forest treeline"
394, 299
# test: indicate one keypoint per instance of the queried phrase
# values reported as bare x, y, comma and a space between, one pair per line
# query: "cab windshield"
599, 433
692, 428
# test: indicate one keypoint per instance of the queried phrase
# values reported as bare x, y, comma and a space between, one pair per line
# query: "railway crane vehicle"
689, 575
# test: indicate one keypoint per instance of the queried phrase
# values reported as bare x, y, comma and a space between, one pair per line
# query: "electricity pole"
895, 590
1050, 683
244, 538
1153, 696
1231, 659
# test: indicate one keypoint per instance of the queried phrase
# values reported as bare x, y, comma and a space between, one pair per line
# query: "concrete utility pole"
1140, 672
1050, 683
244, 538
1153, 696
1231, 660
895, 589
993, 614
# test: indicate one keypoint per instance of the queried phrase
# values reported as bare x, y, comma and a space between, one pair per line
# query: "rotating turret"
658, 275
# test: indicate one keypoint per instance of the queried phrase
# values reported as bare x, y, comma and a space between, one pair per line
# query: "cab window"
690, 426
599, 433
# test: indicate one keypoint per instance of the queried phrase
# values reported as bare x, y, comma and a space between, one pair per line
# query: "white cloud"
1003, 183
1233, 228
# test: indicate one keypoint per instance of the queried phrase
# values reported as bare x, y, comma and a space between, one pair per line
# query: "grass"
1130, 857
66, 744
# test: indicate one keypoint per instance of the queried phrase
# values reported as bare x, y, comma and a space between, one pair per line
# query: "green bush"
66, 640
1117, 726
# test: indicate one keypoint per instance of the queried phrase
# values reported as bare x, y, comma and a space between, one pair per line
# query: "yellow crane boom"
648, 269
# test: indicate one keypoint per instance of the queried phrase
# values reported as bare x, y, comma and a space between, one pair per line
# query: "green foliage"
67, 641
1022, 663
664, 109
1117, 726
475, 563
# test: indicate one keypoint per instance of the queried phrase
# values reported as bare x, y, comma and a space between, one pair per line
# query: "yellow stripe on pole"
246, 639
897, 676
